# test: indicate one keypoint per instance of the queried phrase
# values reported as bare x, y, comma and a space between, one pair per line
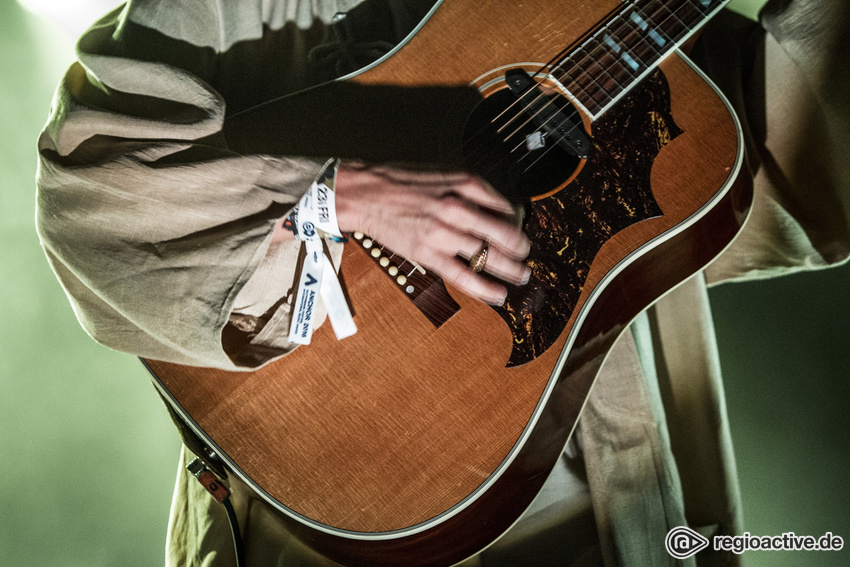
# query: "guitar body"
415, 443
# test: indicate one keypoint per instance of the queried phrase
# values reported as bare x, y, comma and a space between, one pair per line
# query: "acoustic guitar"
421, 439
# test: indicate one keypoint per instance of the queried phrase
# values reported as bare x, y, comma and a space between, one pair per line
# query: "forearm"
152, 224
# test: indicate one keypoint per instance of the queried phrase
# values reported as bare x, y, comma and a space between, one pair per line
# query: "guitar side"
408, 444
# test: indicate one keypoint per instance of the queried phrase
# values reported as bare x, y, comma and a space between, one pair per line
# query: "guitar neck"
607, 63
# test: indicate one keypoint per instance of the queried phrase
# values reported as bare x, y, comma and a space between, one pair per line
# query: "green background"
89, 455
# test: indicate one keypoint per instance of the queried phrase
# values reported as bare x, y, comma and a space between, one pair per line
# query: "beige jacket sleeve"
791, 92
151, 224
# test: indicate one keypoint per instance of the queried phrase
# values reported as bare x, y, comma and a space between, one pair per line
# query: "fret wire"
590, 101
590, 98
700, 6
692, 3
657, 27
597, 73
691, 9
576, 92
682, 18
641, 49
616, 48
588, 83
645, 46
580, 66
669, 17
622, 21
595, 92
584, 66
589, 50
579, 91
634, 29
675, 13
674, 18
610, 69
592, 65
583, 44
594, 79
623, 74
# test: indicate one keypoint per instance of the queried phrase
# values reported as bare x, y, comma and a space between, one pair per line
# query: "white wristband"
313, 218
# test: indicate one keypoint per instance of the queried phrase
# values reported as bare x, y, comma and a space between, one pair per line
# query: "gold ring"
479, 260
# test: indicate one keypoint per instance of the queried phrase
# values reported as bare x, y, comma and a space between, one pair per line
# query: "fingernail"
526, 275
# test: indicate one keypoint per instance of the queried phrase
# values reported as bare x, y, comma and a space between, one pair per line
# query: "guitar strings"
618, 20
547, 106
620, 27
653, 11
615, 26
621, 22
552, 65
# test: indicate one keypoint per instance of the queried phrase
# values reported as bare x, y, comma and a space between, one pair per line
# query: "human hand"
431, 218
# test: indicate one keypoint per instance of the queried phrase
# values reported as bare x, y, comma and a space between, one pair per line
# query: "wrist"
348, 206
281, 231
314, 216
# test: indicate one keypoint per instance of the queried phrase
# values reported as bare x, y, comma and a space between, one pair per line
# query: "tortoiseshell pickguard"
568, 229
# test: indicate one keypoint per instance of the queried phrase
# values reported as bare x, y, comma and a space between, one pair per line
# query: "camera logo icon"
683, 542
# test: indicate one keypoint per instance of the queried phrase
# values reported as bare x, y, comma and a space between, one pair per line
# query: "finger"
448, 241
438, 179
505, 268
483, 226
459, 274
483, 194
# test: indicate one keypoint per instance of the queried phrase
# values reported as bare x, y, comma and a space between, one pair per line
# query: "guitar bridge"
426, 290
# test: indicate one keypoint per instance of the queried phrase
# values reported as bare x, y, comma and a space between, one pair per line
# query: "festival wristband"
314, 218
315, 210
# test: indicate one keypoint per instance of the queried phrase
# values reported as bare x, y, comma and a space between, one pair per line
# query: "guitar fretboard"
621, 52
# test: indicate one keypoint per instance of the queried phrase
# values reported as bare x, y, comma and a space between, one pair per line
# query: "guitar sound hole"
504, 145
